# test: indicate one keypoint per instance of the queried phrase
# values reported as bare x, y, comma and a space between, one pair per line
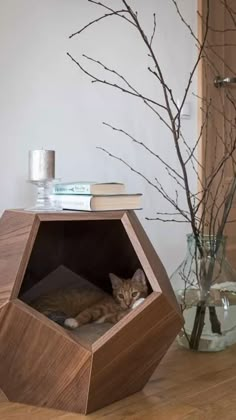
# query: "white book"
98, 202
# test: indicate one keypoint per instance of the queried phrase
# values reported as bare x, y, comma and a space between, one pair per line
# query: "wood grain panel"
16, 239
123, 363
39, 365
151, 263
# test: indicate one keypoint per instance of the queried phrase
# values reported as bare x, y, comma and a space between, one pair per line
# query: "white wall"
47, 102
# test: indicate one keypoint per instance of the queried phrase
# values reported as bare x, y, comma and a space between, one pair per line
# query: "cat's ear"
115, 281
139, 277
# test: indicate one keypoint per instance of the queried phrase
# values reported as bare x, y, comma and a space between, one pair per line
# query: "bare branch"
159, 188
154, 28
166, 220
96, 21
113, 12
140, 143
132, 91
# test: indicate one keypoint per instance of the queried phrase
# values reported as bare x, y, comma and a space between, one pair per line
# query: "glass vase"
205, 287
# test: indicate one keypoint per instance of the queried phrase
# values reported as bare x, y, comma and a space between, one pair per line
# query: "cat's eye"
120, 295
134, 294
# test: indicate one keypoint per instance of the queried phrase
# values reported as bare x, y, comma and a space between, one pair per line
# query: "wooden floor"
185, 386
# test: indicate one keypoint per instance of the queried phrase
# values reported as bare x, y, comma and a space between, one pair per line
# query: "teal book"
90, 188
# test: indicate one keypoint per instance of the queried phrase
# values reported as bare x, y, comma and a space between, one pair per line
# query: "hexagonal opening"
88, 248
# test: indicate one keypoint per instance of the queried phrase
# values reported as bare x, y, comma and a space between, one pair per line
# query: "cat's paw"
71, 323
137, 302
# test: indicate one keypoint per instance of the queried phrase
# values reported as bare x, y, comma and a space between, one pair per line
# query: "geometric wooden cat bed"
43, 364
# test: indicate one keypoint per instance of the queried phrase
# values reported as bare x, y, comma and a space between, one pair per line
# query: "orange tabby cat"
75, 308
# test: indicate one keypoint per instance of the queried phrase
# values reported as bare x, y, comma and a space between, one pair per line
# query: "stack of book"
93, 196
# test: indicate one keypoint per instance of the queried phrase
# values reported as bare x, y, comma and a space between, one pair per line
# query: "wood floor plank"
15, 411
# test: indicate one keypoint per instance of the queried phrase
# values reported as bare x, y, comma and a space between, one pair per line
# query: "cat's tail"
58, 317
62, 319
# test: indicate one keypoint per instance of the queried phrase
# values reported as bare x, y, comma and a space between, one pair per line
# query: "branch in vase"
166, 220
132, 91
95, 79
159, 188
96, 21
118, 13
198, 326
163, 217
142, 144
166, 86
199, 138
154, 28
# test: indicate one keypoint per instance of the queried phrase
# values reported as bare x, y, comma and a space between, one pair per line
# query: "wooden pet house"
42, 363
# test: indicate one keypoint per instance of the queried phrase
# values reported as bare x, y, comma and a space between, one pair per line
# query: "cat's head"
128, 291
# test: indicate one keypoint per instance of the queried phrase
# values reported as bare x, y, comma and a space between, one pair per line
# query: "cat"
73, 308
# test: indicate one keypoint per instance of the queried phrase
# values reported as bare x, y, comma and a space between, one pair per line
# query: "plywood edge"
89, 382
14, 233
17, 219
3, 302
25, 257
18, 210
3, 397
149, 259
14, 212
140, 251
76, 215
